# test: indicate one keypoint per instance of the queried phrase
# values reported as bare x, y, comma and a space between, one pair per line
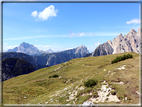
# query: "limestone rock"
120, 44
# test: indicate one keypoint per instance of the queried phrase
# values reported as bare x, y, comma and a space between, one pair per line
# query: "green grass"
37, 87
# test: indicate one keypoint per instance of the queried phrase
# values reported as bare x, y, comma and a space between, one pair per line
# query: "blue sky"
61, 26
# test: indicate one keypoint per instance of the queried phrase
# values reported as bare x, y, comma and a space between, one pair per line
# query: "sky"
62, 26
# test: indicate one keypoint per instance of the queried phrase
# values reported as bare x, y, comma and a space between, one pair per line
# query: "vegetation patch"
82, 99
121, 58
54, 76
95, 94
90, 83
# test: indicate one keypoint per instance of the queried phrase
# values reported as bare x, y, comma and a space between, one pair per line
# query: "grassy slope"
37, 87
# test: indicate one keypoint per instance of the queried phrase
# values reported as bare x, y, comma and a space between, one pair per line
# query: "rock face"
28, 49
120, 44
28, 58
60, 57
103, 49
12, 67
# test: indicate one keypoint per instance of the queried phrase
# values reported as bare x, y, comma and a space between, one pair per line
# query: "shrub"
90, 83
54, 76
120, 58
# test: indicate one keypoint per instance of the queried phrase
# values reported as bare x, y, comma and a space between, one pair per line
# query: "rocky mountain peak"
132, 30
29, 49
129, 43
24, 44
82, 46
120, 36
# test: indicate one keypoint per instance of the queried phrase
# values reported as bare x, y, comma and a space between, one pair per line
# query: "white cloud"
9, 47
96, 44
81, 34
34, 13
76, 34
49, 11
5, 43
133, 21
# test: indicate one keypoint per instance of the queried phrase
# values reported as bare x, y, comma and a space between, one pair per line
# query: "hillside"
118, 82
26, 57
12, 67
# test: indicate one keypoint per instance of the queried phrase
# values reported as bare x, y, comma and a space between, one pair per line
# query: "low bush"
54, 76
120, 58
90, 83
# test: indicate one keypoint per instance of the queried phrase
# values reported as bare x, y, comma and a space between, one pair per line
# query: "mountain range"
127, 43
49, 59
40, 59
29, 49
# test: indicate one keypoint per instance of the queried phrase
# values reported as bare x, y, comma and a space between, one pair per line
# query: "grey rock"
103, 49
120, 44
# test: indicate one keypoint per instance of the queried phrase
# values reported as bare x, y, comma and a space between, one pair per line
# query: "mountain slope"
120, 44
68, 88
28, 58
29, 49
12, 67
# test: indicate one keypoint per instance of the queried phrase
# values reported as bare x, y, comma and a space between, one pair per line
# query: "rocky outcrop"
12, 67
103, 49
29, 49
120, 44
128, 43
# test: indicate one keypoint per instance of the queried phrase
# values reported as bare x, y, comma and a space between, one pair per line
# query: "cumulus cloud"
96, 44
133, 21
34, 13
49, 11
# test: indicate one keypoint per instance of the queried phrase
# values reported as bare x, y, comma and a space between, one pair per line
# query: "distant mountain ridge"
29, 49
127, 43
51, 59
